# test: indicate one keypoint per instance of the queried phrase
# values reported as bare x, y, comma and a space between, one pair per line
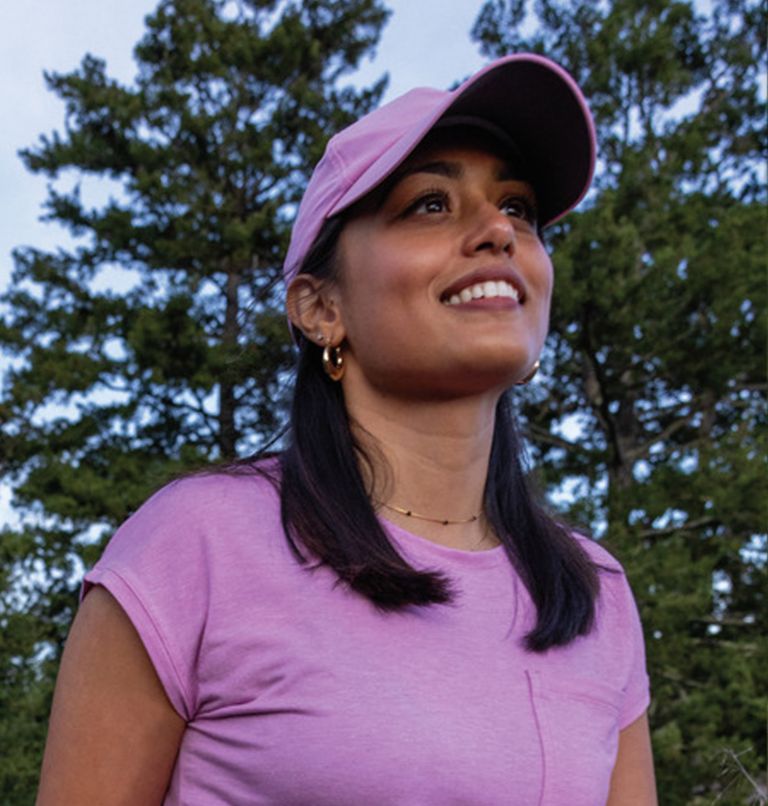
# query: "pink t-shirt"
298, 691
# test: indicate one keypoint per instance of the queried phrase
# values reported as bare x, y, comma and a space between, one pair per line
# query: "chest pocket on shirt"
579, 724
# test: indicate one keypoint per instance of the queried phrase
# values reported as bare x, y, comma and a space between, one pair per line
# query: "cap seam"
340, 165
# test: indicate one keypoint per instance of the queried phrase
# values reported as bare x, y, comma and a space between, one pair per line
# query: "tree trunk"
228, 435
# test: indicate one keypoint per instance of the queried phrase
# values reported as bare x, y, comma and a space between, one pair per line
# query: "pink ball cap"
529, 97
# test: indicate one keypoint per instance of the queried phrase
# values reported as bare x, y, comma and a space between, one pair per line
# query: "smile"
489, 289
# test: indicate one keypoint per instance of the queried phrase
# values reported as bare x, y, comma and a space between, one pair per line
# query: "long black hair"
327, 512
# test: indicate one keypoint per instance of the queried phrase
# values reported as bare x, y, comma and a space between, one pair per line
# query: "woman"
382, 614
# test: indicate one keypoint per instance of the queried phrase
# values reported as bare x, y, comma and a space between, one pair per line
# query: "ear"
313, 308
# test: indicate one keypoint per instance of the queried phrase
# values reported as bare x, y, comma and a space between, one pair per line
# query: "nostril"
498, 245
491, 232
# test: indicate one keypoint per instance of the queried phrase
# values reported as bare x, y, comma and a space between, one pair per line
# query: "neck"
432, 459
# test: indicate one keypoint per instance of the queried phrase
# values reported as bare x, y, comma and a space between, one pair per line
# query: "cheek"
547, 275
536, 267
548, 294
379, 283
544, 286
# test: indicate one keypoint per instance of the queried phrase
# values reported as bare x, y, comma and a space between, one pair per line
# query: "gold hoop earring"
531, 375
333, 362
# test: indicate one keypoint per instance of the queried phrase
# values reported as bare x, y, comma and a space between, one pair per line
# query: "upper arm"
633, 782
113, 735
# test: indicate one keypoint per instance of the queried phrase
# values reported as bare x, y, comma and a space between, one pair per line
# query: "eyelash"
527, 207
434, 194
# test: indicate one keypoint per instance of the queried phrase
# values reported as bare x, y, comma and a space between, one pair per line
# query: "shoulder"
211, 497
616, 606
209, 488
198, 514
596, 552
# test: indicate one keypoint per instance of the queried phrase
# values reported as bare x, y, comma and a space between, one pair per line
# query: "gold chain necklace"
409, 513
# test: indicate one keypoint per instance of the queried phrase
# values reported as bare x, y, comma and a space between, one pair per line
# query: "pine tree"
650, 417
158, 342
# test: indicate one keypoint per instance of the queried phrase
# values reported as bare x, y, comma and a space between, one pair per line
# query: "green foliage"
158, 342
652, 409
35, 612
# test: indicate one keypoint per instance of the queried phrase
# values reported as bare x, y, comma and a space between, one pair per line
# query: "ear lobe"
312, 308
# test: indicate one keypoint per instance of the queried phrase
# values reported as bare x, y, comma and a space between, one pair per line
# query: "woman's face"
444, 283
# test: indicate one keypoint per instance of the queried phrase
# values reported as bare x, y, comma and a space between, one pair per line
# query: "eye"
430, 202
519, 207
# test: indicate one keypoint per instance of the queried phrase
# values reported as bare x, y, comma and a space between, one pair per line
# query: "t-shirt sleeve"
637, 696
155, 568
619, 622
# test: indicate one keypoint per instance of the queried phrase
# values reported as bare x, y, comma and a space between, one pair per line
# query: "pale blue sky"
426, 42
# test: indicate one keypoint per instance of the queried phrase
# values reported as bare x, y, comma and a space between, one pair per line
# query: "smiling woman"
383, 613
451, 248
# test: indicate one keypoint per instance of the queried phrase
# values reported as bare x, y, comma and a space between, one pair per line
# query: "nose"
491, 230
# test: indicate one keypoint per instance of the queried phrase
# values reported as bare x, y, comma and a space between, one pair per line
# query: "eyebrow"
454, 170
451, 170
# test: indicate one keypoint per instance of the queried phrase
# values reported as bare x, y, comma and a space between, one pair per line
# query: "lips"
500, 285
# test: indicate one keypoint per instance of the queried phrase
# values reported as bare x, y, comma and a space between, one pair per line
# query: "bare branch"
697, 523
666, 433
536, 433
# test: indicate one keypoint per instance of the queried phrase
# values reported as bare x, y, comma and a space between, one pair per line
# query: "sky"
425, 42
421, 45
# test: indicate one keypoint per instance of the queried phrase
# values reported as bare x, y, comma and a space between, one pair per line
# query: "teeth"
485, 290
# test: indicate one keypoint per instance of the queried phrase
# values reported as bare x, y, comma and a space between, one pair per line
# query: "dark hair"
327, 513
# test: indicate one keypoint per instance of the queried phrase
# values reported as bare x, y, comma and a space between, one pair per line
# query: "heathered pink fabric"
298, 691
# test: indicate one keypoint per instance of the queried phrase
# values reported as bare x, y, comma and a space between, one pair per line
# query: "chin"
485, 378
499, 361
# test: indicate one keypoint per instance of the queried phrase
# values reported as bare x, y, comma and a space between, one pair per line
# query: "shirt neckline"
422, 548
